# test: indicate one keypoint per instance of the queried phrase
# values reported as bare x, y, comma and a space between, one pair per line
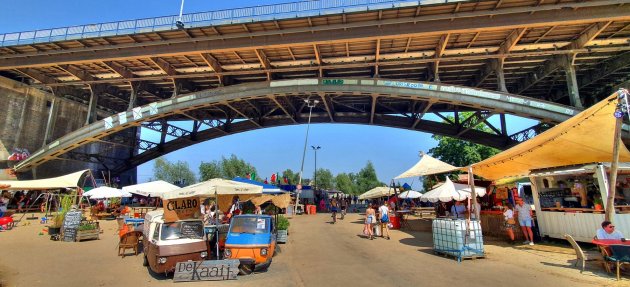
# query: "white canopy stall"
449, 191
106, 192
377, 192
154, 188
222, 188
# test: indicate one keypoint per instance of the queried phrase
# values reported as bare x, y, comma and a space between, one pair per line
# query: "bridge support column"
500, 75
52, 120
133, 97
91, 113
572, 84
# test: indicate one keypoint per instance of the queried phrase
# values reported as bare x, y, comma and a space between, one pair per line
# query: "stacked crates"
451, 237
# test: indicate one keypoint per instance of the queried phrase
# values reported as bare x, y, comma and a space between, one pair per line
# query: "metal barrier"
211, 18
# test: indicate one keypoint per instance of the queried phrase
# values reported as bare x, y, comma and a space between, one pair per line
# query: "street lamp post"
310, 104
315, 148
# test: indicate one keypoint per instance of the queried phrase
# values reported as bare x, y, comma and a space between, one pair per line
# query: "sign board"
209, 270
298, 187
181, 208
70, 225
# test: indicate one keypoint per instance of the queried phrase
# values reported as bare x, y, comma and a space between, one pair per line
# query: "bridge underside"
571, 53
225, 111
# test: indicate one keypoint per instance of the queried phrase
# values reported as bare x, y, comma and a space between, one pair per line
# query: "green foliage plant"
283, 223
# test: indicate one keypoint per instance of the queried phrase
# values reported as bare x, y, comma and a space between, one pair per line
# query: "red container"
5, 220
313, 209
307, 209
395, 220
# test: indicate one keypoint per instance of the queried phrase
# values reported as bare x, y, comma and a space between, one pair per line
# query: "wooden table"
424, 210
608, 242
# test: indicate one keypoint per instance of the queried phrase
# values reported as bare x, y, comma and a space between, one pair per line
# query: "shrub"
283, 223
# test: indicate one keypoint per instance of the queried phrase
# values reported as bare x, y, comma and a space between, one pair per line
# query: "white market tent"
106, 192
153, 188
449, 191
377, 192
427, 165
223, 188
410, 194
64, 181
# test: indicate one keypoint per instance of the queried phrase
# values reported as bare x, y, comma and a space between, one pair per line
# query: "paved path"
318, 254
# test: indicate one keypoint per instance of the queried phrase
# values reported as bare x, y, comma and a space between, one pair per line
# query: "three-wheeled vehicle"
166, 243
252, 240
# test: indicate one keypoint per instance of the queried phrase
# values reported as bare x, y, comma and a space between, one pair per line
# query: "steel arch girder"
477, 99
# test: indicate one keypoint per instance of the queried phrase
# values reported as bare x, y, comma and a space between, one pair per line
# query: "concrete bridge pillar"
52, 120
91, 112
498, 70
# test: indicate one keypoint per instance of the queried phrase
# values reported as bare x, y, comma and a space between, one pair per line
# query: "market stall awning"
106, 192
267, 188
152, 188
425, 166
377, 192
64, 181
410, 194
586, 137
449, 191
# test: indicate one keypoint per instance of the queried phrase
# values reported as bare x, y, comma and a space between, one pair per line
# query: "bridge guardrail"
210, 18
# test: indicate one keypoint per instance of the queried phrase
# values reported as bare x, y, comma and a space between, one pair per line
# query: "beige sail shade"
64, 181
427, 165
377, 192
587, 137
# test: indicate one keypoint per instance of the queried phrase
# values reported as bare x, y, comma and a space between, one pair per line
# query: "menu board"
192, 230
70, 225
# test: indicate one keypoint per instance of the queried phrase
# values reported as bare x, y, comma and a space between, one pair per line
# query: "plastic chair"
129, 240
582, 257
620, 256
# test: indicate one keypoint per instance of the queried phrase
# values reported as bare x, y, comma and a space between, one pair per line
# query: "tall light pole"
310, 104
179, 23
315, 148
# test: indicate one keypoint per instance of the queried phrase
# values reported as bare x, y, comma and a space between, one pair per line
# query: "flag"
253, 176
266, 182
248, 176
286, 180
273, 178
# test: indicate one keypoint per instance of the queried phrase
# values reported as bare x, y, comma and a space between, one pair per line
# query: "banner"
181, 208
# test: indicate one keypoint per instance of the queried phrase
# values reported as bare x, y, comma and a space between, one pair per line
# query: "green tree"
291, 176
344, 183
227, 168
173, 172
325, 179
459, 152
210, 170
367, 179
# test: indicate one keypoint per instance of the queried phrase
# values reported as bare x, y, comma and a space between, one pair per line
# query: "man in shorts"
524, 212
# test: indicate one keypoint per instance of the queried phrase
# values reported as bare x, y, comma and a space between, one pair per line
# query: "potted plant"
87, 230
282, 227
598, 204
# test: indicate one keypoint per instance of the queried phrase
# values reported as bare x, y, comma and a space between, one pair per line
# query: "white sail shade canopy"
410, 194
427, 165
451, 191
216, 185
106, 192
153, 188
377, 192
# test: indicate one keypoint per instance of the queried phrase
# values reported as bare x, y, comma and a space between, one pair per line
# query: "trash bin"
313, 210
395, 220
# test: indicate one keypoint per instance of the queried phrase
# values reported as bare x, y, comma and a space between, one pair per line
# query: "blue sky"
344, 148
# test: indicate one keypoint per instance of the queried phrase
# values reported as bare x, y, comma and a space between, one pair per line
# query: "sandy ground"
318, 254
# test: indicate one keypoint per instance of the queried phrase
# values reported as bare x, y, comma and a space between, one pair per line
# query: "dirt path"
318, 254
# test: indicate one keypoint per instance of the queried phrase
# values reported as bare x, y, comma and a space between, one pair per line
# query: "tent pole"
473, 192
610, 203
216, 220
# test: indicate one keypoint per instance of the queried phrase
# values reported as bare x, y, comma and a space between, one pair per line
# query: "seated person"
608, 231
458, 210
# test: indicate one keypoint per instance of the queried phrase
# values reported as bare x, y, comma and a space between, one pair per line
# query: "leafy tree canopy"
177, 173
325, 179
227, 168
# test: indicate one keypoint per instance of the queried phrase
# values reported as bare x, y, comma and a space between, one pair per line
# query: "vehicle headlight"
227, 253
204, 254
263, 251
162, 260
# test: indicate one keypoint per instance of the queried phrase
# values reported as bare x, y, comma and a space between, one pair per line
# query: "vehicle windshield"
253, 225
182, 230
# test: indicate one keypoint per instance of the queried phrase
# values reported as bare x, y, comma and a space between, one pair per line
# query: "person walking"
344, 207
524, 212
334, 205
510, 222
370, 219
384, 214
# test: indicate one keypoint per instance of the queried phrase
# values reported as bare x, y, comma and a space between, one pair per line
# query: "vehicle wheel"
245, 269
145, 262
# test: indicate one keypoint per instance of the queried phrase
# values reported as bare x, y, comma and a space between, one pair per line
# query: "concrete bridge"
377, 62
